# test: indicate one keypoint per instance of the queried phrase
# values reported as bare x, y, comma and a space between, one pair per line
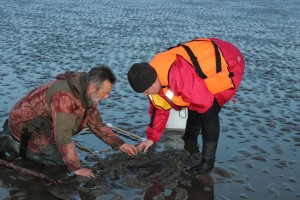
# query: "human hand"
144, 146
85, 172
129, 149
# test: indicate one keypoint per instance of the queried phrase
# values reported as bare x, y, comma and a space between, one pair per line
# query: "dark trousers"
208, 121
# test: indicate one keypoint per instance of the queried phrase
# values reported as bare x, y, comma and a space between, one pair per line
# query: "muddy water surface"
258, 152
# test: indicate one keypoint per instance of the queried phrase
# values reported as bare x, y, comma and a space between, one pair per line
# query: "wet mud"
258, 150
161, 173
151, 173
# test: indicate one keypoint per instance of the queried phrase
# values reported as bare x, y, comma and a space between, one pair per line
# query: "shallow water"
258, 152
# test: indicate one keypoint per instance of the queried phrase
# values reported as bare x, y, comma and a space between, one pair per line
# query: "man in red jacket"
42, 124
202, 75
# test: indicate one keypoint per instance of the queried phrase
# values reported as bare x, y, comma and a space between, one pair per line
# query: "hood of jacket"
78, 84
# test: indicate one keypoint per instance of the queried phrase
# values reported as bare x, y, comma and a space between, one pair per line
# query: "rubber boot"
8, 147
208, 158
2, 146
190, 139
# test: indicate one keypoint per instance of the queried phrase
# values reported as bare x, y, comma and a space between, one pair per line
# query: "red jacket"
185, 82
56, 111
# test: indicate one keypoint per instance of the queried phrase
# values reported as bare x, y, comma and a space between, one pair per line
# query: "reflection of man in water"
45, 120
201, 75
193, 191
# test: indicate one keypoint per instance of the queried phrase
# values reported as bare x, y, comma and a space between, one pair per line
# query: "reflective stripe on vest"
166, 100
169, 94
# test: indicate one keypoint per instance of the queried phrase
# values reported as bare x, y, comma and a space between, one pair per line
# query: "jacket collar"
78, 84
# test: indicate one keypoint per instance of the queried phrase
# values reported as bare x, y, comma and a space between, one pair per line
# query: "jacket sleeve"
185, 82
157, 125
102, 131
70, 156
62, 106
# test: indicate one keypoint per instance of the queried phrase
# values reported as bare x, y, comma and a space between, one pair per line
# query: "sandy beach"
258, 151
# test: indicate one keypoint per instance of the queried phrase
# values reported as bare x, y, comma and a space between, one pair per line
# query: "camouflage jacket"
56, 111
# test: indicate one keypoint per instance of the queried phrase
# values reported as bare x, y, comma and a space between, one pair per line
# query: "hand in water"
145, 145
129, 149
85, 172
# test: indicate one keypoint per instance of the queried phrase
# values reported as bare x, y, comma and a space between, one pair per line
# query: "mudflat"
257, 156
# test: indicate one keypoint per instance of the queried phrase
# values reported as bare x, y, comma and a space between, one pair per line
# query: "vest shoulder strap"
218, 58
196, 64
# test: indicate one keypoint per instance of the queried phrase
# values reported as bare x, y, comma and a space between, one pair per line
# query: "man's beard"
94, 100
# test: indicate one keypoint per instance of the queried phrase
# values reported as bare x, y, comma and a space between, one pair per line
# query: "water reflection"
196, 189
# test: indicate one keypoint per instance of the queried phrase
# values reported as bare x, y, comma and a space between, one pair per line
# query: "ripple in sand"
245, 153
225, 129
265, 171
262, 129
245, 141
261, 157
296, 138
224, 198
287, 140
249, 165
278, 149
273, 190
292, 180
230, 136
244, 179
239, 181
250, 188
258, 148
244, 196
234, 158
287, 187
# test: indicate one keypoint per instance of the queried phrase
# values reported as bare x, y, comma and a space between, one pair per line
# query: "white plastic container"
177, 119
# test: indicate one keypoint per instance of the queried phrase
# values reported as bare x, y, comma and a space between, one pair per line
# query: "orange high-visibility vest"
207, 59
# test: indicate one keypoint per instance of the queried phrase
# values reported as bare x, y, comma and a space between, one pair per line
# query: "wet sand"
258, 151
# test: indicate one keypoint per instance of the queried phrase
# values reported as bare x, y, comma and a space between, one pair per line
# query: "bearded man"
42, 124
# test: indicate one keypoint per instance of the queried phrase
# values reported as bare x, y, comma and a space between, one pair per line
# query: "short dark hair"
99, 74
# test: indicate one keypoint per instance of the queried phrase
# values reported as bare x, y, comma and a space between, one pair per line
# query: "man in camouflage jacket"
53, 113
